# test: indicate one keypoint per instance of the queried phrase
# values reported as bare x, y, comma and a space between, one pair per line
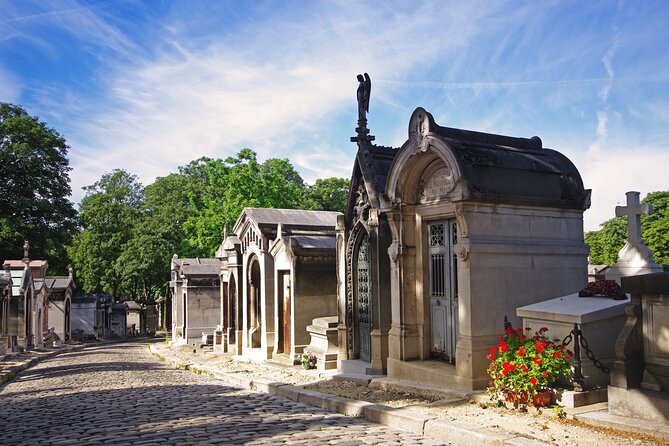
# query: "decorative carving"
440, 183
350, 292
462, 251
394, 250
477, 155
463, 231
362, 204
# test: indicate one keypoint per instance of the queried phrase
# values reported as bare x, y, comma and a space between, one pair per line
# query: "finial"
363, 93
26, 247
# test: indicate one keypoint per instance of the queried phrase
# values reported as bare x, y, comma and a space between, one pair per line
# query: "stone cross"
633, 210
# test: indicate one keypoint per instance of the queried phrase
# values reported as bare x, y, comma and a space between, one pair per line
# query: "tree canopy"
605, 243
34, 204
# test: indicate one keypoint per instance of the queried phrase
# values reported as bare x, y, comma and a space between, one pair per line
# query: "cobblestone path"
120, 394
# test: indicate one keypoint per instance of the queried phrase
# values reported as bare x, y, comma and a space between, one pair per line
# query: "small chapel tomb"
277, 275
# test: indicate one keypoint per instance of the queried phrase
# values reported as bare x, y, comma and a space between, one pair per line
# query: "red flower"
557, 355
537, 360
491, 357
521, 351
505, 372
539, 348
519, 330
509, 330
493, 350
560, 347
499, 337
535, 337
523, 337
545, 374
523, 368
502, 346
533, 381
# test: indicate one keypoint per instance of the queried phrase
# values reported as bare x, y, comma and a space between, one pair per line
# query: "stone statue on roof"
364, 89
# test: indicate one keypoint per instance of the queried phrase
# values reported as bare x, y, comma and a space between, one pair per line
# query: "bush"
521, 367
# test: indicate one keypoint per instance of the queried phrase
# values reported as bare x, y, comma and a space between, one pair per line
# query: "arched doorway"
232, 308
363, 301
253, 304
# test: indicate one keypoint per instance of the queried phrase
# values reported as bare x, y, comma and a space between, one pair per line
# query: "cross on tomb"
633, 210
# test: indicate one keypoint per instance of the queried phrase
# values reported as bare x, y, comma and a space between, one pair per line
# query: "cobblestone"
119, 394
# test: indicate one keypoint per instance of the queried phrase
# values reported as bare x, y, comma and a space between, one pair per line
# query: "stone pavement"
119, 394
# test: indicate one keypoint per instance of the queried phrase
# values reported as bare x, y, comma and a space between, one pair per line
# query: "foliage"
308, 360
605, 243
239, 182
108, 214
521, 366
34, 206
328, 194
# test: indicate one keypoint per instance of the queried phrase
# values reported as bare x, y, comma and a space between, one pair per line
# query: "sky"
149, 86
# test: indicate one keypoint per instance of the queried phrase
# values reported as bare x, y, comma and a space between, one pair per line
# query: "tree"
328, 194
236, 183
108, 214
34, 205
144, 263
605, 243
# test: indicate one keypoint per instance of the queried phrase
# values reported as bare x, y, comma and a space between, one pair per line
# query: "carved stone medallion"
440, 183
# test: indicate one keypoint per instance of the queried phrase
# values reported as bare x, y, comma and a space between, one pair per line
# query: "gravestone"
635, 257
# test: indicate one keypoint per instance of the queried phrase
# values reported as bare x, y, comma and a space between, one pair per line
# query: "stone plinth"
220, 343
324, 342
643, 352
599, 318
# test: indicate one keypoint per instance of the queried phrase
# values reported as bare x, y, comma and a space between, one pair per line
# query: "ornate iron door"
363, 301
286, 313
442, 236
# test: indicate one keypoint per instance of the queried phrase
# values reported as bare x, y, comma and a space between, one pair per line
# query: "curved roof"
495, 168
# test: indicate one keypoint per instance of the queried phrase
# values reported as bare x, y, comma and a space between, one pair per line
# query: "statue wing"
368, 91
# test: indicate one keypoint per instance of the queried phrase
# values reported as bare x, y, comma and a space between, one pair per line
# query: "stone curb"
7, 374
404, 419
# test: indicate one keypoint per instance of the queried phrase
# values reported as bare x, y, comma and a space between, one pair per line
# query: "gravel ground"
543, 426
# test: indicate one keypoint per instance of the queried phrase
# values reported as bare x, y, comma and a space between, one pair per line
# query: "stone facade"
195, 298
59, 305
277, 274
640, 376
91, 316
445, 236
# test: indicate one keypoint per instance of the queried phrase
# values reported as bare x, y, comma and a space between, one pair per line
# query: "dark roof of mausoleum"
375, 162
291, 217
325, 242
200, 267
502, 169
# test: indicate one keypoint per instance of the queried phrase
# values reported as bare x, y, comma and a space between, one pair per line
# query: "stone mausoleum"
443, 238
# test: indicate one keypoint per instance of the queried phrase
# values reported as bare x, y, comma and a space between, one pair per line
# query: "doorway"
443, 282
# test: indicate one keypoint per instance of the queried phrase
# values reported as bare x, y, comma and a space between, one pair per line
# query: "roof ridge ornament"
363, 93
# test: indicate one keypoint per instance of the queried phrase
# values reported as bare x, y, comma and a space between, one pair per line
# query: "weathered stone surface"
131, 399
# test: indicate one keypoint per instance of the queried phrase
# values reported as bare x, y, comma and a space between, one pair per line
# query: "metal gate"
363, 303
442, 236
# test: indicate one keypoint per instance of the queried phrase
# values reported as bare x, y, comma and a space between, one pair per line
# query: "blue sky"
151, 85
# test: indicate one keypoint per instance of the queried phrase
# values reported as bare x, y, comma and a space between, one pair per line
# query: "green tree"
35, 204
328, 194
239, 182
605, 243
144, 263
108, 213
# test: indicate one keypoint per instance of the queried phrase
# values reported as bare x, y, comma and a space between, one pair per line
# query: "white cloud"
270, 90
612, 172
10, 87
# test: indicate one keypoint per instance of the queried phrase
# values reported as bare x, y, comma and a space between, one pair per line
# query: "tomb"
91, 316
195, 298
228, 336
59, 305
640, 376
305, 283
266, 326
26, 309
5, 296
363, 266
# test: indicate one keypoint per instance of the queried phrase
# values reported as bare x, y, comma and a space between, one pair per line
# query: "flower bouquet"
523, 368
604, 288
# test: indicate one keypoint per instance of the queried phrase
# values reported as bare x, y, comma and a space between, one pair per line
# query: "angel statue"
364, 89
